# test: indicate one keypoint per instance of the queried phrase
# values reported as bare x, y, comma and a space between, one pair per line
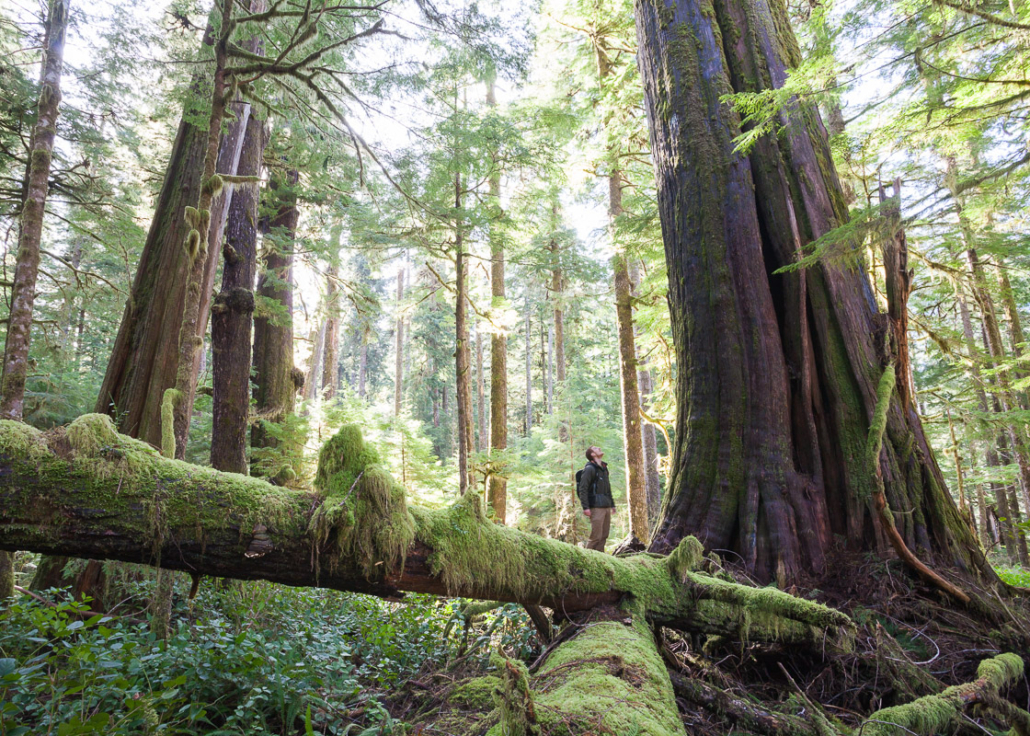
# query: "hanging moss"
514, 699
363, 517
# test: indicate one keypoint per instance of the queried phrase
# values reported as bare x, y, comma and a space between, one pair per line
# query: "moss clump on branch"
934, 713
363, 516
514, 698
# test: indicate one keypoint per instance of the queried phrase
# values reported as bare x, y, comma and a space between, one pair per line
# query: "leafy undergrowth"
1018, 576
252, 658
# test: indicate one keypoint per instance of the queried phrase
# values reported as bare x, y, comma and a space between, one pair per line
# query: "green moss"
364, 514
169, 400
92, 433
934, 713
476, 693
516, 710
874, 443
609, 679
686, 558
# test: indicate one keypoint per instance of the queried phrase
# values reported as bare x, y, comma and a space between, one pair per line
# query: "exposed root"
875, 444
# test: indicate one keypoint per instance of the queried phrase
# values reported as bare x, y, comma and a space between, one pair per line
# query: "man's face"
597, 453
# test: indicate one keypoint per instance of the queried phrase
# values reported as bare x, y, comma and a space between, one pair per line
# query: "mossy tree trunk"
177, 403
30, 235
276, 379
778, 373
144, 357
232, 314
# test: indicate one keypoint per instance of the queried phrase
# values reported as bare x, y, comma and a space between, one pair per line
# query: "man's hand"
586, 513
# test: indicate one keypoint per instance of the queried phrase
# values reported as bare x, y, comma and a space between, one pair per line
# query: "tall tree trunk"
633, 439
778, 374
276, 380
482, 436
1016, 337
232, 313
558, 318
312, 382
550, 368
529, 371
990, 453
144, 357
398, 375
331, 363
498, 490
363, 364
26, 269
652, 478
462, 362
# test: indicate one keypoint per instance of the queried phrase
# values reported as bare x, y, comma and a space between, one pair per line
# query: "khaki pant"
600, 523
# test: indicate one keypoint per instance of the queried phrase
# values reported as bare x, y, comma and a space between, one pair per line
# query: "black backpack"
593, 486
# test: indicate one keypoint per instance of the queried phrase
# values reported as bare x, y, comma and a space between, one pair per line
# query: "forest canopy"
316, 316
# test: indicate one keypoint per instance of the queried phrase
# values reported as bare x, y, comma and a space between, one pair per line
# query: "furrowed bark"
778, 371
276, 379
26, 269
86, 491
232, 313
143, 360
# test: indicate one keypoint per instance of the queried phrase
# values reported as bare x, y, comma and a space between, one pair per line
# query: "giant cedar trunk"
778, 374
462, 354
232, 313
275, 377
144, 357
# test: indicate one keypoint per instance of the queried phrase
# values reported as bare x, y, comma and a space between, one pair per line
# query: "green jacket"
595, 495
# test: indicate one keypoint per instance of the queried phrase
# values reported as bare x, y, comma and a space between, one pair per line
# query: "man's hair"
590, 455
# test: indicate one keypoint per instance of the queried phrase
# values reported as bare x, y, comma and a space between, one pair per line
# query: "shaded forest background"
444, 135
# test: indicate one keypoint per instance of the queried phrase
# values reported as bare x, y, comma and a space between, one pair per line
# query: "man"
595, 493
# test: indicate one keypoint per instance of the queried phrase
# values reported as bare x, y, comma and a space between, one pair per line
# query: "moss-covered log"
87, 491
936, 714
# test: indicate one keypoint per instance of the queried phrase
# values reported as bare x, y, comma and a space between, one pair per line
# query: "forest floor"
258, 658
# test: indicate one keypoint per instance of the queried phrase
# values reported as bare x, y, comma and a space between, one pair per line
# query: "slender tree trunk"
633, 439
652, 478
558, 301
550, 368
26, 269
232, 313
498, 490
331, 364
363, 365
312, 382
1016, 337
990, 454
779, 374
276, 380
398, 375
529, 372
482, 436
462, 362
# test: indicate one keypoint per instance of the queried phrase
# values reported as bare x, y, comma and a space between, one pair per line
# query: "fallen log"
87, 491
